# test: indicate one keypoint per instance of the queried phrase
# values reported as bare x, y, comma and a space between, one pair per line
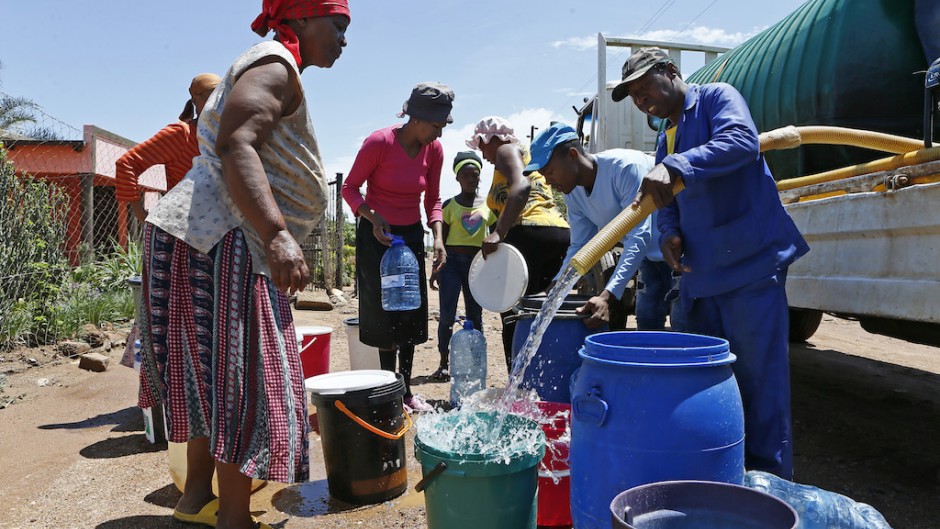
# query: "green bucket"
474, 490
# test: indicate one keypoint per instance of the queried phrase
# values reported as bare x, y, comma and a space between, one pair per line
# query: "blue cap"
545, 142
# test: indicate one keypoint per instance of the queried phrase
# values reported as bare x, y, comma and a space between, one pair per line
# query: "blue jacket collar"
692, 93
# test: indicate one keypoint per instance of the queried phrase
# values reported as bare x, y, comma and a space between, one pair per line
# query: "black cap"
466, 157
636, 66
430, 102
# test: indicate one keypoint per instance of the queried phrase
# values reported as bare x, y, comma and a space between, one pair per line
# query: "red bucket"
314, 345
555, 498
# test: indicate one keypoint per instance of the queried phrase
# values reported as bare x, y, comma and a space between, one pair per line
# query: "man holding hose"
597, 188
729, 236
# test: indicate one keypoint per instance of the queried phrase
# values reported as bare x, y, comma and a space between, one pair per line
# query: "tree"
16, 112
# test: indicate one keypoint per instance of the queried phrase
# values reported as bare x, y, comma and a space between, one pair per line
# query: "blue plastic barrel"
650, 407
549, 373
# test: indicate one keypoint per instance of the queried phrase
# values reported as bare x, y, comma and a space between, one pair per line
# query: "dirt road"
866, 411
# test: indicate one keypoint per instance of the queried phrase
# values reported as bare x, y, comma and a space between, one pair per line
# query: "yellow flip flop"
208, 515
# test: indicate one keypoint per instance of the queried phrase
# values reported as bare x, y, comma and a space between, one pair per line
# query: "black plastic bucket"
699, 505
362, 429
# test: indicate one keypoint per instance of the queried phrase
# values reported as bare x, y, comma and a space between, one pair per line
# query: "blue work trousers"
755, 321
454, 278
654, 301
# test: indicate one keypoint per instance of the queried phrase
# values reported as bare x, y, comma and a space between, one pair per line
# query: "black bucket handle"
438, 468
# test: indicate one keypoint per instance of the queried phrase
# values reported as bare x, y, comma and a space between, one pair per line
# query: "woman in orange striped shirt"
174, 147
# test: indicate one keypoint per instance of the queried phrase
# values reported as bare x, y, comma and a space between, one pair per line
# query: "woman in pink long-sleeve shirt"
399, 164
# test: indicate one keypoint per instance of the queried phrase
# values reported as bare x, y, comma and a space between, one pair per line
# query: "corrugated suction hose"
608, 236
791, 137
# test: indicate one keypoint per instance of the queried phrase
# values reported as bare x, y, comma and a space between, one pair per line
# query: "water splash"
553, 300
467, 435
479, 426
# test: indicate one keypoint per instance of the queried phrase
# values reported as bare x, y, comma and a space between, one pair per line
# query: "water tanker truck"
845, 93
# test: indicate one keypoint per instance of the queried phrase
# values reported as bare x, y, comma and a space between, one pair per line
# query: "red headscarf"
274, 13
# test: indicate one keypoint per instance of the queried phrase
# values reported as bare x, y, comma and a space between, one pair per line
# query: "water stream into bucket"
553, 300
469, 435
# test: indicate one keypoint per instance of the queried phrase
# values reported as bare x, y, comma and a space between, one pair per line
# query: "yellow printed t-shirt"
466, 225
539, 210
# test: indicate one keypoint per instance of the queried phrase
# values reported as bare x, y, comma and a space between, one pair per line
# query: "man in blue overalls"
729, 236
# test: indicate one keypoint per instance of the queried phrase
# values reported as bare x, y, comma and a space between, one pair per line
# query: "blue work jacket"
734, 229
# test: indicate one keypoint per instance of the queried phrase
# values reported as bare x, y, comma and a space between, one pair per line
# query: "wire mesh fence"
324, 252
68, 245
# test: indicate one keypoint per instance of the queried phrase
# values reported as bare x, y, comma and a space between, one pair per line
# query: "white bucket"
361, 356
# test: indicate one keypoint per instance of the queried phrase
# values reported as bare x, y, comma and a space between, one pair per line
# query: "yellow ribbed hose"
910, 151
792, 137
884, 164
608, 236
782, 138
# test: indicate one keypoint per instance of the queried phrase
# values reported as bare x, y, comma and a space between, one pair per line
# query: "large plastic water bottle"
467, 363
818, 508
401, 289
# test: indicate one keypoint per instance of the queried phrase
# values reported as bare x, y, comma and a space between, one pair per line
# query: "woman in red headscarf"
221, 254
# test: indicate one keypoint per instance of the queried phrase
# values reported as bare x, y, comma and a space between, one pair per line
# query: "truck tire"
803, 323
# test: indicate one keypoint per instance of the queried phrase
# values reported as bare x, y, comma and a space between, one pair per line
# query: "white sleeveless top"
200, 209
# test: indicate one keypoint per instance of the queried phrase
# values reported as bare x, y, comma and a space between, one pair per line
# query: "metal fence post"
340, 227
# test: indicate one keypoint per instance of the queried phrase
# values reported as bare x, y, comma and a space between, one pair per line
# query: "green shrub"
32, 260
81, 303
42, 298
349, 264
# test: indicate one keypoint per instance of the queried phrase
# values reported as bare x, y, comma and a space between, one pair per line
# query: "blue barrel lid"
656, 349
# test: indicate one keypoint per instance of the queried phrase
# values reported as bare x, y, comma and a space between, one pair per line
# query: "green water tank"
847, 63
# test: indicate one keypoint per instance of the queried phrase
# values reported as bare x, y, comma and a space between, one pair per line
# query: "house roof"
77, 145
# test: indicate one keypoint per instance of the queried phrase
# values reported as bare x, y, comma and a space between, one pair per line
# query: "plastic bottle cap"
467, 324
397, 239
500, 280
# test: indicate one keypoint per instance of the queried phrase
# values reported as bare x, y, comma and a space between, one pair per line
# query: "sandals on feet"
207, 516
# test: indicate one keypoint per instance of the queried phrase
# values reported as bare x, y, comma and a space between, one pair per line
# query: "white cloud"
699, 35
694, 35
577, 43
453, 141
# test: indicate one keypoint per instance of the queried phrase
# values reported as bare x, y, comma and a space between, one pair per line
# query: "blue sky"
126, 66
